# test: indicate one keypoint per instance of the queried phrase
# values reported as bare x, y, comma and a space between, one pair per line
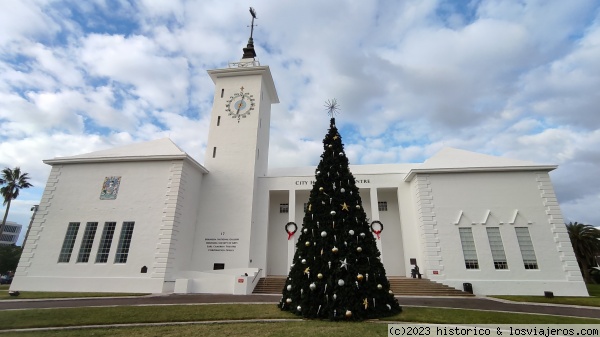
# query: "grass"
72, 317
49, 294
592, 301
63, 317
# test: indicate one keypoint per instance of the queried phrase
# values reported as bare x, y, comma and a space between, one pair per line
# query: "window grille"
124, 242
527, 252
105, 242
69, 242
382, 205
88, 240
468, 246
497, 248
284, 208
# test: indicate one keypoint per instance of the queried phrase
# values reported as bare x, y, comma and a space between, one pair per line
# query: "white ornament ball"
318, 172
303, 261
341, 283
299, 308
379, 286
289, 287
305, 230
357, 206
362, 235
391, 292
323, 234
330, 145
351, 232
342, 190
312, 286
332, 212
288, 301
334, 297
341, 153
359, 249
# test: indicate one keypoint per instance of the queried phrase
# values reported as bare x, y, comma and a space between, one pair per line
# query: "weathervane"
253, 13
249, 52
332, 107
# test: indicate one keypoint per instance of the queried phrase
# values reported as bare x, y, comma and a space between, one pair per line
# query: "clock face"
240, 104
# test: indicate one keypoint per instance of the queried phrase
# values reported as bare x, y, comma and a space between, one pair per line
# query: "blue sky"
517, 79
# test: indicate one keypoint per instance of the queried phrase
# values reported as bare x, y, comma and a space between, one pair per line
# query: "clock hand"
239, 106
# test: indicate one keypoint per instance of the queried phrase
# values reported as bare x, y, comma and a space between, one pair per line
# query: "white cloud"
516, 79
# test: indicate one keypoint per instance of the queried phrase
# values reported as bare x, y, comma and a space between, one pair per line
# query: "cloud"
509, 78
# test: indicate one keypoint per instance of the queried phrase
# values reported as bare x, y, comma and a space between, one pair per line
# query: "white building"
10, 234
149, 218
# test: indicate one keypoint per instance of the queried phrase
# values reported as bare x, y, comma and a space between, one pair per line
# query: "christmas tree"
337, 272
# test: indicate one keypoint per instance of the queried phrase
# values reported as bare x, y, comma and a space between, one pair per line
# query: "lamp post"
34, 209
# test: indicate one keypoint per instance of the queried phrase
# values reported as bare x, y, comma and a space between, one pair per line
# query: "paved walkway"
475, 303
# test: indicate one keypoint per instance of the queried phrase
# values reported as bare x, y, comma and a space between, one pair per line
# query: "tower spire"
249, 52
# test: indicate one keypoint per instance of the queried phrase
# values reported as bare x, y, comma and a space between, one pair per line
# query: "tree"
586, 245
337, 272
9, 258
13, 181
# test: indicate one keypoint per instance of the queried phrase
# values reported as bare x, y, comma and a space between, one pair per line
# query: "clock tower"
236, 155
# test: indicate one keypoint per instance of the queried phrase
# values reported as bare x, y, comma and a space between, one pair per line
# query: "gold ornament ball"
321, 189
319, 276
307, 244
391, 292
359, 249
334, 249
288, 301
357, 206
379, 286
330, 145
348, 313
359, 277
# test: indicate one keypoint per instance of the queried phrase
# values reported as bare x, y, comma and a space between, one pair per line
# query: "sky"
518, 79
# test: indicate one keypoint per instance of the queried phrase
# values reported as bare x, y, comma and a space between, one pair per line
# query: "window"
284, 208
382, 205
67, 247
105, 242
7, 237
214, 152
468, 246
124, 242
10, 229
497, 248
218, 120
527, 252
88, 240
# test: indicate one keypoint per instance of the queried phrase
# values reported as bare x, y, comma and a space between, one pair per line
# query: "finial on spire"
249, 50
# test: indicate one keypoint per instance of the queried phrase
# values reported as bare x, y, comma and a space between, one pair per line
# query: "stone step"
402, 286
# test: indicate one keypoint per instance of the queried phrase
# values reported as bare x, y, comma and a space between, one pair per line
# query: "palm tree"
13, 181
586, 245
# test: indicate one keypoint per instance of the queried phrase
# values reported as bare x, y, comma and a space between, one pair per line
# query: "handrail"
257, 273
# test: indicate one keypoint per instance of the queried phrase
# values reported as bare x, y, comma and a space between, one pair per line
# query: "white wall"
72, 194
504, 194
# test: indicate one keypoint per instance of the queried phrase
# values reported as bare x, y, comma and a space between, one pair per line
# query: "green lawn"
38, 318
72, 317
592, 301
49, 294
